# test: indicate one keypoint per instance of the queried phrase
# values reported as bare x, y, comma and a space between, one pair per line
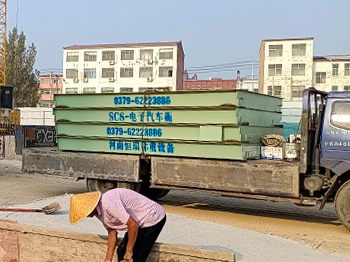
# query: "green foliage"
20, 72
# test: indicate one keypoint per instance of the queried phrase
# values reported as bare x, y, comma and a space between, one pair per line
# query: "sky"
212, 32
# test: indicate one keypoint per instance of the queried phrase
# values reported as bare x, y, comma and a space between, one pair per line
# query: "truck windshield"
340, 116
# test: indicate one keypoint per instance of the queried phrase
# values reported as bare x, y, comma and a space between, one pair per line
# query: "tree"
20, 72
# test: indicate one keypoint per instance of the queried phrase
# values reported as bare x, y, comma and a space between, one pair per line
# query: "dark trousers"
146, 237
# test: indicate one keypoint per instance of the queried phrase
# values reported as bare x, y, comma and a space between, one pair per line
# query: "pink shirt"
117, 205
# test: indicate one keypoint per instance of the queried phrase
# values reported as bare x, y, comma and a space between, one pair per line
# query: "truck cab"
335, 138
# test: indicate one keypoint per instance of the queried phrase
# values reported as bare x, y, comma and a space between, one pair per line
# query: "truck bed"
258, 177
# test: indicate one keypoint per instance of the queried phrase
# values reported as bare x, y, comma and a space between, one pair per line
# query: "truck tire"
99, 185
154, 193
342, 204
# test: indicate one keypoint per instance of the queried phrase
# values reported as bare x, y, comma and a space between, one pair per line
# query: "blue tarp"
290, 129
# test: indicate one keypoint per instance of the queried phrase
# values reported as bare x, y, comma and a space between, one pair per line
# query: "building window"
126, 89
297, 92
320, 77
89, 90
107, 90
346, 88
70, 90
72, 57
347, 69
146, 54
108, 55
166, 53
90, 56
45, 81
275, 70
275, 50
340, 116
335, 88
90, 73
298, 49
107, 72
71, 73
298, 69
126, 72
274, 91
45, 103
165, 71
143, 89
127, 55
335, 68
45, 91
146, 72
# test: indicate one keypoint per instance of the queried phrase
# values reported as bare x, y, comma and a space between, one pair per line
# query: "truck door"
335, 139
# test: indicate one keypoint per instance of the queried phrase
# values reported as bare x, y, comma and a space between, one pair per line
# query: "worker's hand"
108, 260
128, 256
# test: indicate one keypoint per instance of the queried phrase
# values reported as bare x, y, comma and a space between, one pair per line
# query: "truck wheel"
166, 191
99, 185
342, 204
153, 193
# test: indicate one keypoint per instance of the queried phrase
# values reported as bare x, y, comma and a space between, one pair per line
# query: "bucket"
291, 151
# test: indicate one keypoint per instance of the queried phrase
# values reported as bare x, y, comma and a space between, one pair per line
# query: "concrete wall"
22, 243
135, 82
9, 148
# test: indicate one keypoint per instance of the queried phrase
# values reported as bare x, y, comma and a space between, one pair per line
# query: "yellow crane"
9, 117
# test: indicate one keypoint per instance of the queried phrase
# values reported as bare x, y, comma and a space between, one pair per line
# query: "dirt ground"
320, 229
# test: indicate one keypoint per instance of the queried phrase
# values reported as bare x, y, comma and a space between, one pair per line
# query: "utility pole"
50, 88
252, 77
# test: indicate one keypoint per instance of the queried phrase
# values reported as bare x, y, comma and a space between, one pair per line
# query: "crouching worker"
125, 210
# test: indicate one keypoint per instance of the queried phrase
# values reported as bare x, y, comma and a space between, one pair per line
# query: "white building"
248, 84
123, 67
287, 66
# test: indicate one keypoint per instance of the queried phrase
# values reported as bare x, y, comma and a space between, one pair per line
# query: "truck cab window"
340, 116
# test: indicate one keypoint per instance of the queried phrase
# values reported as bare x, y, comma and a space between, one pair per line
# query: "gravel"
249, 246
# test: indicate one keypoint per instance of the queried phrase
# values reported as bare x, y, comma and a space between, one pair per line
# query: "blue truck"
322, 175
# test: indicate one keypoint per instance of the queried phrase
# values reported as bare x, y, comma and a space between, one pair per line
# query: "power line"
223, 65
220, 70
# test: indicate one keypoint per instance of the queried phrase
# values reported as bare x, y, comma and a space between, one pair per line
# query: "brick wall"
210, 84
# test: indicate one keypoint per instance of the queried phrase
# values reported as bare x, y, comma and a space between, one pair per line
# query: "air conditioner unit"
75, 80
85, 80
111, 62
111, 79
150, 61
149, 79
